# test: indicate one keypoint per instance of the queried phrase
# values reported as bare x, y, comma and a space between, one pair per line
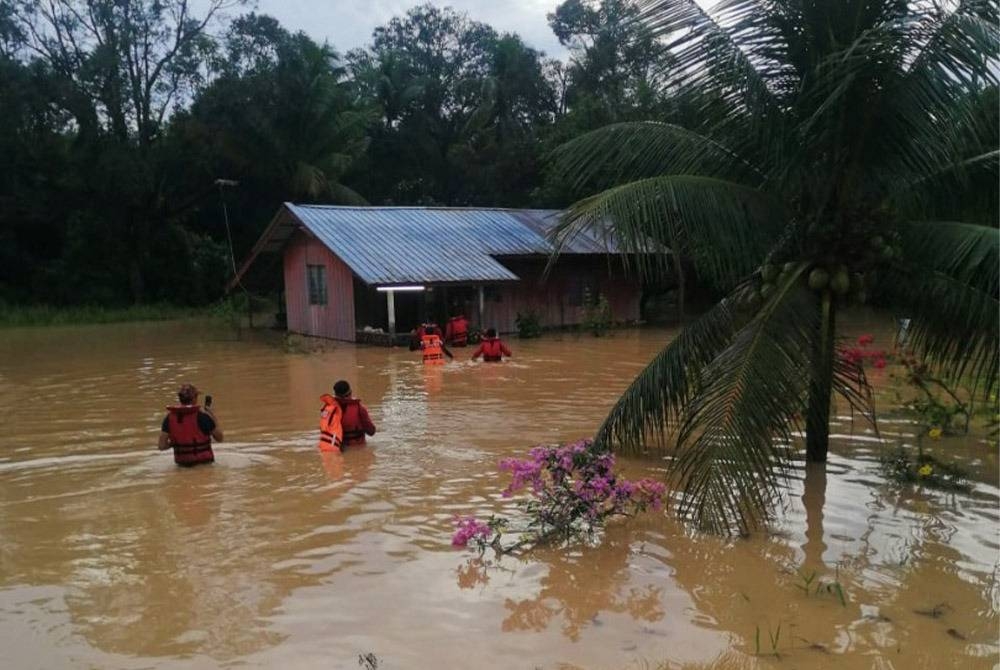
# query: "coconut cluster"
847, 281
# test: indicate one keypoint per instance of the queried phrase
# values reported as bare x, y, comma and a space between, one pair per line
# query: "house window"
316, 276
580, 290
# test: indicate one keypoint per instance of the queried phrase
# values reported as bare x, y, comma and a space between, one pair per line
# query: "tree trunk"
679, 267
820, 386
813, 500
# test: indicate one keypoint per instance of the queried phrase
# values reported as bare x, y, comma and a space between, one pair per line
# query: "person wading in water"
456, 332
431, 346
189, 429
491, 348
354, 420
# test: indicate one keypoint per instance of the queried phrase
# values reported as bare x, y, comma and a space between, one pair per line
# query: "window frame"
316, 287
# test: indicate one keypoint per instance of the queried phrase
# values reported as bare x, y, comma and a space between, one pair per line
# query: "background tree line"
119, 116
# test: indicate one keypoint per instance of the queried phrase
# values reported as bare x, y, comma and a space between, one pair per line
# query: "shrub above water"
572, 491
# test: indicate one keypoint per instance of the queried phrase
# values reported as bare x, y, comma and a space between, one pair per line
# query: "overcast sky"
349, 23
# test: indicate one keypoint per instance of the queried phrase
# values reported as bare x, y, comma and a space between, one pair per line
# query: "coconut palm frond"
637, 150
952, 167
952, 42
308, 180
966, 252
741, 103
705, 53
851, 383
658, 395
723, 227
344, 195
936, 114
760, 30
954, 312
948, 175
734, 439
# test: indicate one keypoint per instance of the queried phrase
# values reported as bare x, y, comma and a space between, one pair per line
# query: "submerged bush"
597, 315
902, 467
573, 491
528, 324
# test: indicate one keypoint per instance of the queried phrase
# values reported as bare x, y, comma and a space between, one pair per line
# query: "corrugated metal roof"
399, 245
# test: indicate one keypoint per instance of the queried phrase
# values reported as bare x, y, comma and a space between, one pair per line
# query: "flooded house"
368, 273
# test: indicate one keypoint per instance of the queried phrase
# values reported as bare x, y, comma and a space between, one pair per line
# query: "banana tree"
844, 152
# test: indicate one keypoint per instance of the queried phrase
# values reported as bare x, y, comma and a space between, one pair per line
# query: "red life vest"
354, 432
331, 431
431, 346
458, 330
492, 349
191, 446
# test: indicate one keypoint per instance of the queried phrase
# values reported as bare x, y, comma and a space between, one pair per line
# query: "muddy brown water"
111, 557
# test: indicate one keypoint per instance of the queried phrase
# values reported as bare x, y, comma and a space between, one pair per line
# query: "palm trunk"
679, 267
814, 500
820, 386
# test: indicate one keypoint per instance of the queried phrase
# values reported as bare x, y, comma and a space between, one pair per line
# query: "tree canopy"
841, 153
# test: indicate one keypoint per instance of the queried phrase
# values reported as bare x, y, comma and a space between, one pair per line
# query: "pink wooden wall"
550, 298
335, 319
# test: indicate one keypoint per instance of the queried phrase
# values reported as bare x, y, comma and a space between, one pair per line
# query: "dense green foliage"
844, 152
119, 116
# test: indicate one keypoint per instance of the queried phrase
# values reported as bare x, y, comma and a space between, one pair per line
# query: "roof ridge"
425, 208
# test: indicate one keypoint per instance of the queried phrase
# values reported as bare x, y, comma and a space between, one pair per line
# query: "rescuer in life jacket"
417, 335
189, 429
456, 331
354, 419
331, 425
491, 348
431, 346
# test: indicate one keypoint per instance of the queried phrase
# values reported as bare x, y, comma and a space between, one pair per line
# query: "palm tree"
828, 135
291, 122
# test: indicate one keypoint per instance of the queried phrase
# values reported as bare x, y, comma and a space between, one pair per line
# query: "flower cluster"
467, 528
573, 490
860, 354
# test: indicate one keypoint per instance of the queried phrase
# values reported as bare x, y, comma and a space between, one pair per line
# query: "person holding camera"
190, 428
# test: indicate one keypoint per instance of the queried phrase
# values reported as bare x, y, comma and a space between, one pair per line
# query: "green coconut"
818, 279
766, 290
768, 272
840, 283
789, 267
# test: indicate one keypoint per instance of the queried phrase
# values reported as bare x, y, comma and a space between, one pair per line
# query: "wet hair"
491, 332
187, 394
342, 388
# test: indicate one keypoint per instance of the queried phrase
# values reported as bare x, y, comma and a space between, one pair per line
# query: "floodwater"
277, 556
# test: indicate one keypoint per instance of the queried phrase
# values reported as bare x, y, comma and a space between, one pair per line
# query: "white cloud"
347, 24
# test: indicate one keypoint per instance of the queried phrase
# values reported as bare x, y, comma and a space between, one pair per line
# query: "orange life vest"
331, 431
458, 330
351, 421
191, 446
492, 349
431, 346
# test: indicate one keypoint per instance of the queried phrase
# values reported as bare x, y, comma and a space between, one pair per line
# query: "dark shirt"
206, 424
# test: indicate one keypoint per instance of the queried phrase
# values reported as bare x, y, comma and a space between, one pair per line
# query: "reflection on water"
279, 556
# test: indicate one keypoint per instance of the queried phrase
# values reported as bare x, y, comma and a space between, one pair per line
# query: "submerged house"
352, 273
